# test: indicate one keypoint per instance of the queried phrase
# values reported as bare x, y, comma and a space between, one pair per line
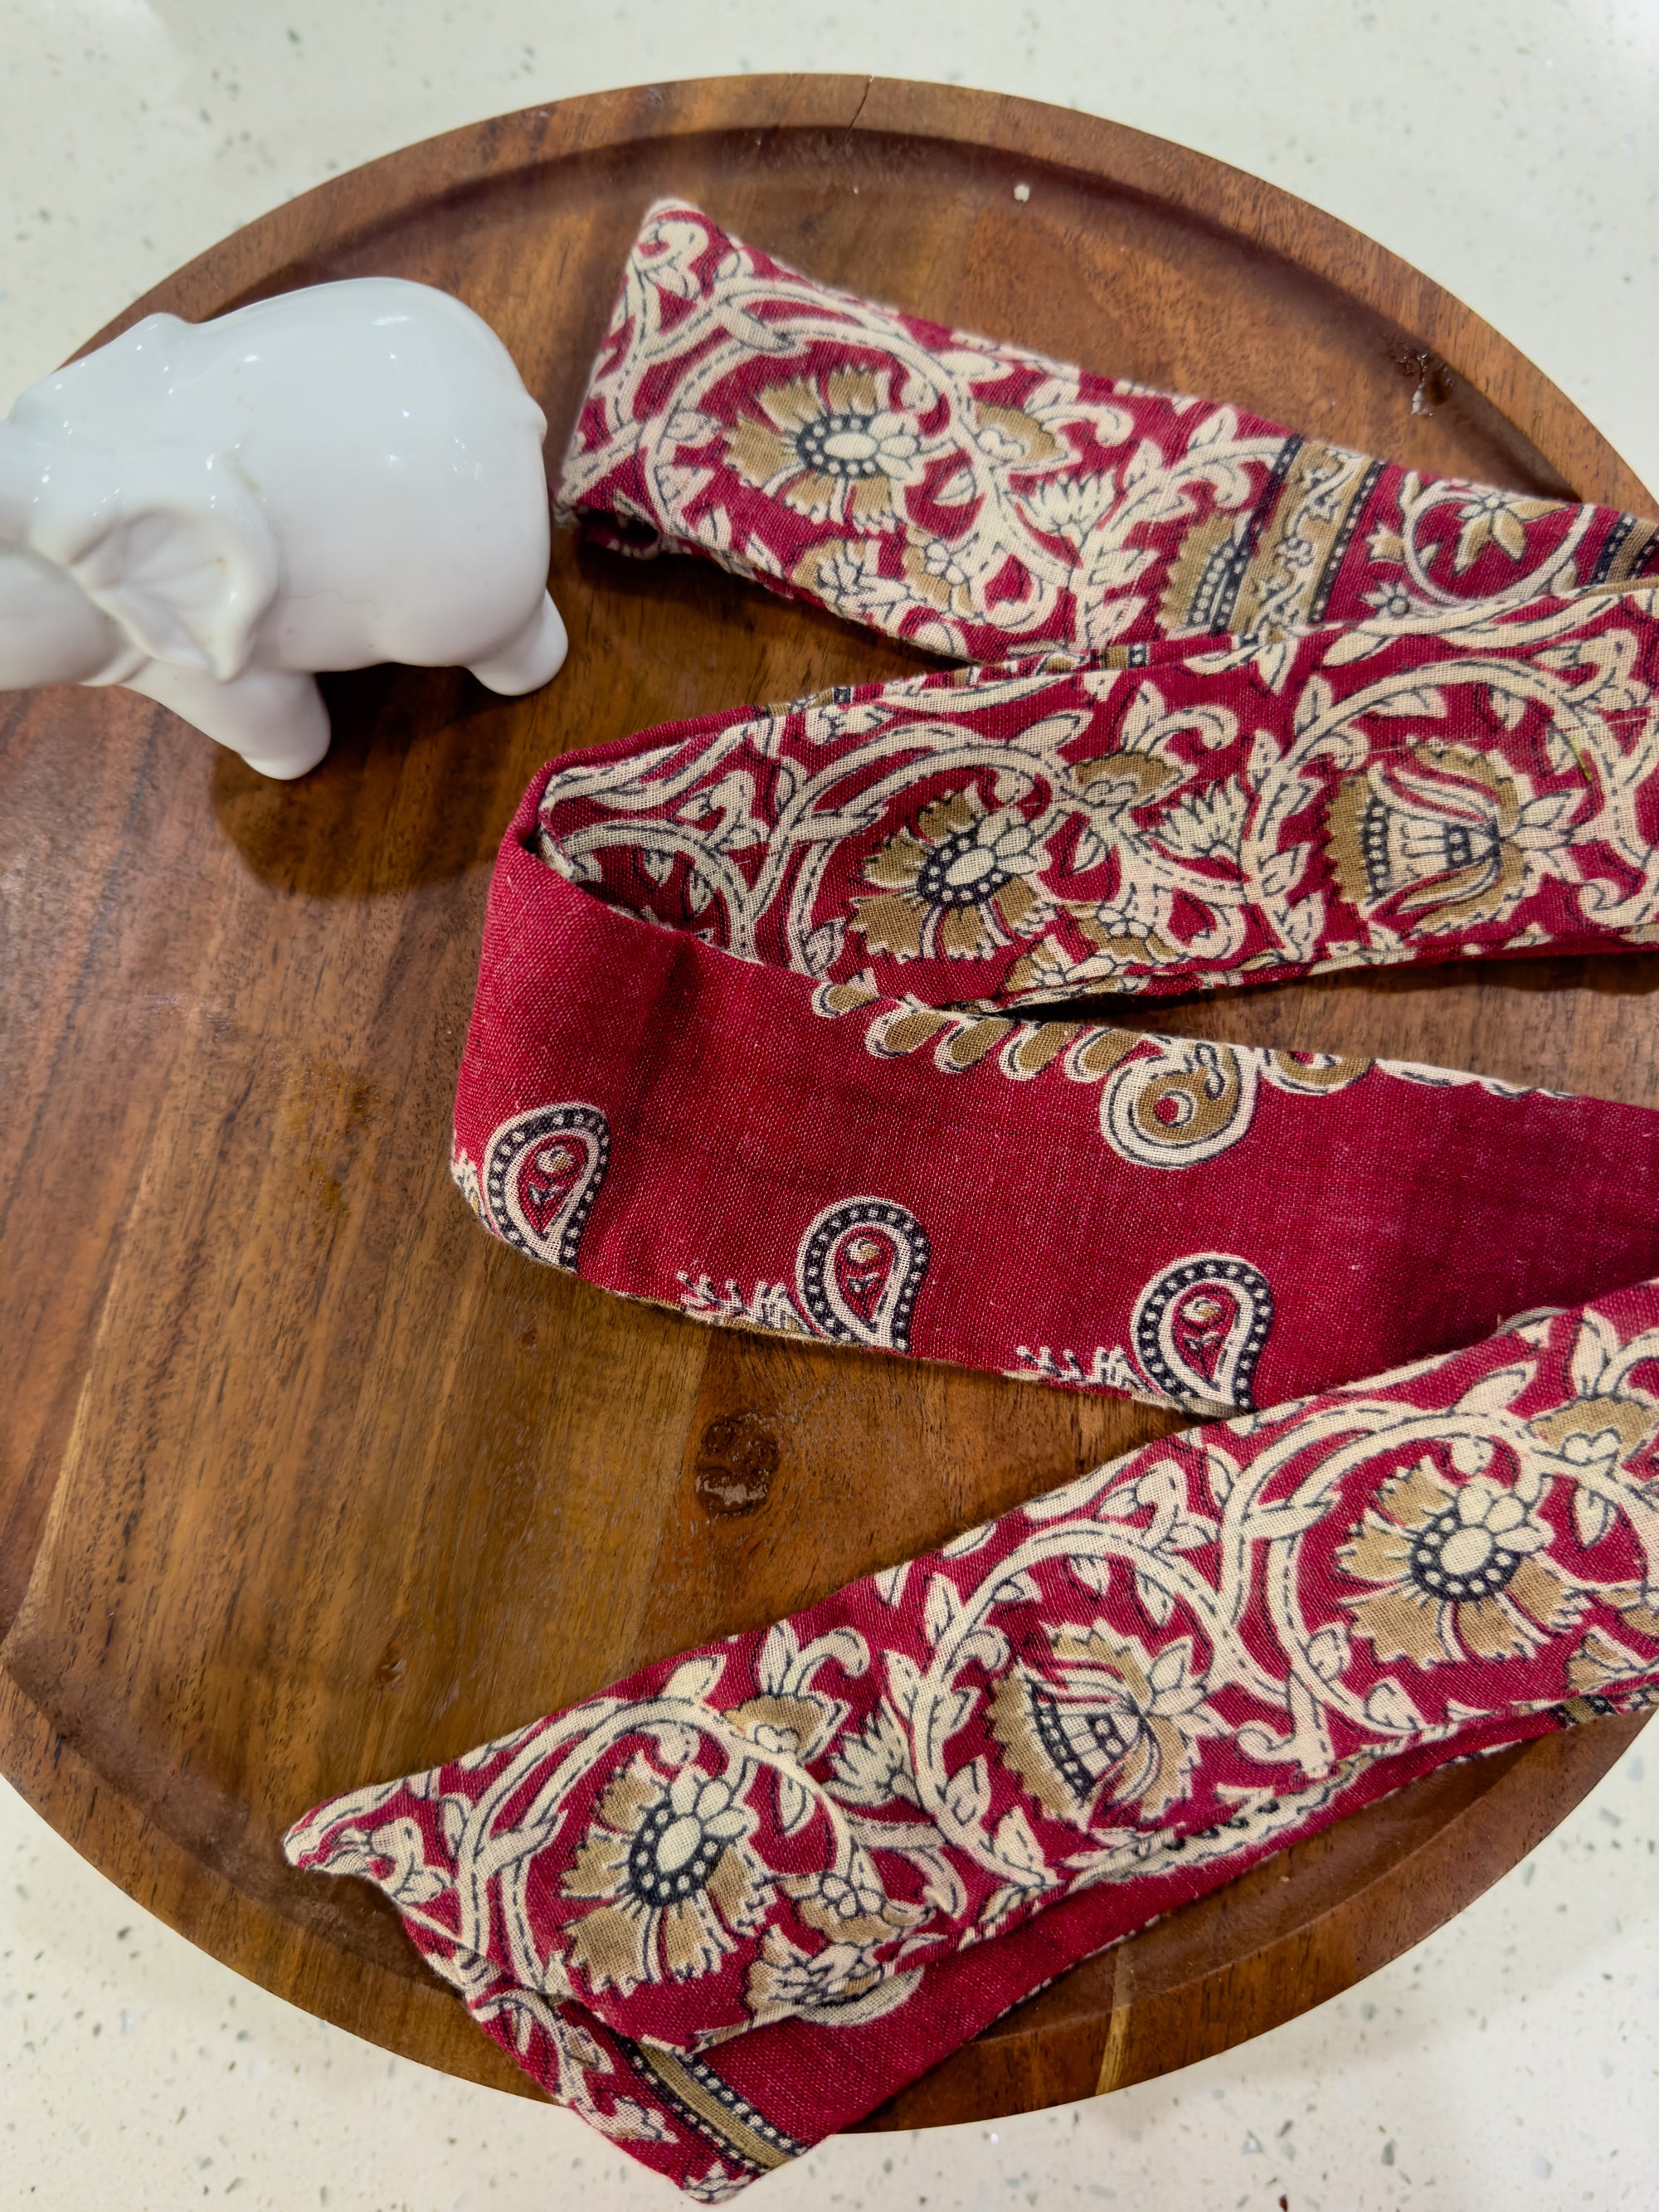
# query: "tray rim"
66, 1787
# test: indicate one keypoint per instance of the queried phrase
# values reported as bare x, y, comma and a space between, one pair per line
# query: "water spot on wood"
330, 1112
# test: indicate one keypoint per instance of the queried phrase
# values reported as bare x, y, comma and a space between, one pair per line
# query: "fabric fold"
837, 1087
1127, 1690
725, 1053
784, 1018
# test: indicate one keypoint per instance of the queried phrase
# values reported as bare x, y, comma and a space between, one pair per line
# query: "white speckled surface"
1512, 151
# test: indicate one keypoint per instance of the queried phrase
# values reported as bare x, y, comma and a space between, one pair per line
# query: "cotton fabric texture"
732, 1904
981, 499
761, 997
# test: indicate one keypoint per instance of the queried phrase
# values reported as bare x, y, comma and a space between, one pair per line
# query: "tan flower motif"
960, 882
1106, 1721
669, 1861
1044, 971
940, 571
784, 1981
1444, 832
1595, 1428
1456, 1571
1495, 518
1122, 940
795, 1726
1114, 782
838, 452
849, 1905
1014, 439
1601, 1661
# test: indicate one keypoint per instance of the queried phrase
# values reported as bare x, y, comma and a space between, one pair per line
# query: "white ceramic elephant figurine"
209, 513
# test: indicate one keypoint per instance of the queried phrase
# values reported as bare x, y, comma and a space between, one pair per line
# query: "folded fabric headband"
738, 1900
977, 498
850, 1128
834, 1090
776, 1110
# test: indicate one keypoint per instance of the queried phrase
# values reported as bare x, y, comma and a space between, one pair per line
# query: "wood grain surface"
303, 1480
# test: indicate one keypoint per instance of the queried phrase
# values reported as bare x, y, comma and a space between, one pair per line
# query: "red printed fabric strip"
713, 2122
772, 1026
704, 1067
977, 498
1221, 1640
999, 837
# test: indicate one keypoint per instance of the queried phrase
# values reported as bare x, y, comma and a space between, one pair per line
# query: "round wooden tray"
303, 1481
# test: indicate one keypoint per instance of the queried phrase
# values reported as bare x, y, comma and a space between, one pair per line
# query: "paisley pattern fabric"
829, 948
728, 1905
979, 499
775, 1024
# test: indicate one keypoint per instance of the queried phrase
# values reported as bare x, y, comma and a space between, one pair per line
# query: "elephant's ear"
181, 555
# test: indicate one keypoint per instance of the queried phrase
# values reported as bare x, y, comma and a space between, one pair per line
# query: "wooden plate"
303, 1481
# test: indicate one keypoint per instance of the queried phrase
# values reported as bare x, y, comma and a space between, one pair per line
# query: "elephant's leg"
533, 654
274, 717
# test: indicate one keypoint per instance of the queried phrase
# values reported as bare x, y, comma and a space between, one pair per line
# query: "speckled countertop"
1512, 150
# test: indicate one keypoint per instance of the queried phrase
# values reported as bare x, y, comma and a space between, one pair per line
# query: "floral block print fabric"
678, 1903
776, 1025
977, 498
751, 1035
1158, 820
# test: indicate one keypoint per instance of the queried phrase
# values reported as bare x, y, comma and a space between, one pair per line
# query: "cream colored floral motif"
1059, 519
842, 1985
786, 1981
769, 1306
959, 882
1423, 596
835, 451
676, 1883
1491, 517
1601, 1426
1189, 874
1454, 1572
849, 1904
937, 570
847, 449
1289, 581
394, 1857
1114, 783
795, 1725
1108, 1367
846, 1857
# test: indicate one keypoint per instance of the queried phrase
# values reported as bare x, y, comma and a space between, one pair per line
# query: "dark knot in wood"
736, 1460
